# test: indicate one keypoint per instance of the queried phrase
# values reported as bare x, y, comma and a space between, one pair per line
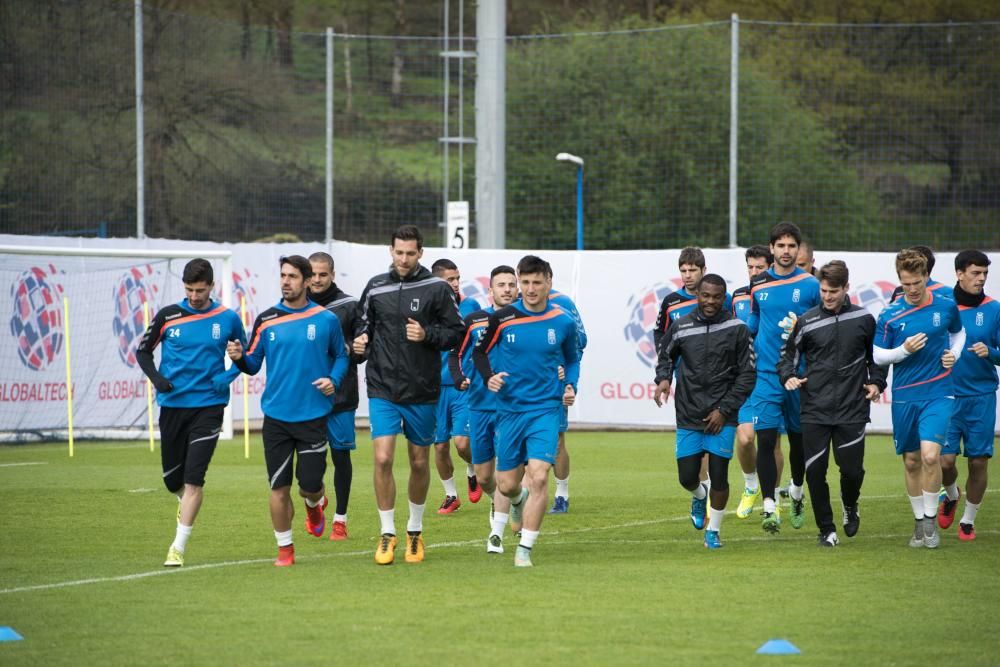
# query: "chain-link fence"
869, 137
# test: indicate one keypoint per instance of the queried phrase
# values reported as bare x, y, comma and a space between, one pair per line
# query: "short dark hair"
322, 257
691, 255
835, 273
807, 245
967, 258
912, 261
408, 233
299, 262
198, 271
928, 255
786, 229
711, 279
760, 252
534, 264
503, 268
442, 265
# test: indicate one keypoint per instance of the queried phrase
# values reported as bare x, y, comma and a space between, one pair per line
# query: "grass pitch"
622, 579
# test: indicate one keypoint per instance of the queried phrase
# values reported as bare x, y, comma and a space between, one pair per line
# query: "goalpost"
105, 298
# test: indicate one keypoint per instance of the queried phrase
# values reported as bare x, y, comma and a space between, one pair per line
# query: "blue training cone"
778, 647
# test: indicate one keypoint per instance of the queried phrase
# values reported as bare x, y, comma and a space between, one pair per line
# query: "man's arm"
480, 353
455, 358
252, 359
877, 375
144, 355
571, 354
743, 384
338, 350
364, 326
662, 324
445, 329
791, 349
666, 356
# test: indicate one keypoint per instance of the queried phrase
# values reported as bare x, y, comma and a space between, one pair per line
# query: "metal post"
734, 124
461, 100
491, 124
445, 147
140, 131
579, 208
329, 135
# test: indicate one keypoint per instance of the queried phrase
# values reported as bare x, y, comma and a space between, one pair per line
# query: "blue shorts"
690, 443
482, 435
340, 430
452, 414
414, 420
773, 405
972, 422
527, 435
564, 419
916, 421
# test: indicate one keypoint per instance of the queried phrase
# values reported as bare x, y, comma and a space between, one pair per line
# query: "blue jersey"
741, 304
772, 297
465, 307
192, 352
301, 345
566, 303
920, 376
973, 374
530, 347
480, 398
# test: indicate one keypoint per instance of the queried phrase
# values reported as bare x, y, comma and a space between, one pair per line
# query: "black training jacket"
345, 307
837, 348
715, 366
399, 370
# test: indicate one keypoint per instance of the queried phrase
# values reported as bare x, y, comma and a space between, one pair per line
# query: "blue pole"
579, 208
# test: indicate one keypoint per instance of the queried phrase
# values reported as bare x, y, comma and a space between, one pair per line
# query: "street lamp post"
578, 161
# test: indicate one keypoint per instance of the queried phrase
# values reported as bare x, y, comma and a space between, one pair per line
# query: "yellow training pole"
149, 383
69, 375
246, 389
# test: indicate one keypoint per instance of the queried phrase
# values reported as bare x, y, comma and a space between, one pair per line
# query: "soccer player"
715, 378
306, 363
532, 339
691, 264
777, 297
758, 259
193, 334
408, 318
340, 424
453, 408
932, 285
560, 503
483, 402
921, 335
836, 386
975, 377
805, 259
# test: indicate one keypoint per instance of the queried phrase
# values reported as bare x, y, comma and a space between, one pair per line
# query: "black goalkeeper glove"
163, 385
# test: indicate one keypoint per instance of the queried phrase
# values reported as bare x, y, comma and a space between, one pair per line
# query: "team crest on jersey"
979, 319
796, 294
216, 331
414, 305
552, 336
311, 332
936, 320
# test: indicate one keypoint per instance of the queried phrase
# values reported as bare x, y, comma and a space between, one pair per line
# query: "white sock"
416, 522
930, 503
184, 532
562, 487
284, 539
498, 523
750, 480
342, 518
388, 520
470, 470
700, 492
969, 516
449, 487
795, 492
528, 538
314, 503
715, 518
952, 491
769, 505
917, 503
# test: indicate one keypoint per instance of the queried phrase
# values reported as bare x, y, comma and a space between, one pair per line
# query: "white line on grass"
440, 545
26, 463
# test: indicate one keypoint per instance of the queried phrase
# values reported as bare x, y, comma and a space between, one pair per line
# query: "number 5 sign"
458, 224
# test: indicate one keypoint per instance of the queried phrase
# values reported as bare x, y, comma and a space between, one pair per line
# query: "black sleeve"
352, 315
667, 354
445, 329
144, 354
876, 374
480, 354
455, 358
364, 322
662, 324
790, 350
744, 382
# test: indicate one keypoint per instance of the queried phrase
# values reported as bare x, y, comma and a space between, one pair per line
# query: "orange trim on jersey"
933, 379
777, 283
524, 320
291, 317
670, 309
191, 318
982, 303
468, 334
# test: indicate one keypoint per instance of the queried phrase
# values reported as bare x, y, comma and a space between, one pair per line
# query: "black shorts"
187, 441
282, 440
